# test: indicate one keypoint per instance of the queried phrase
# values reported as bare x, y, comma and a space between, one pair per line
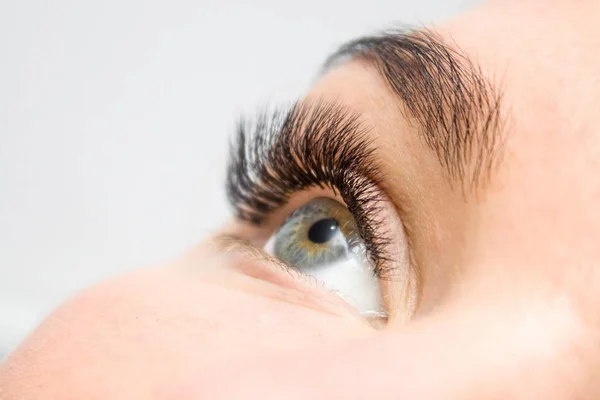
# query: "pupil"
323, 230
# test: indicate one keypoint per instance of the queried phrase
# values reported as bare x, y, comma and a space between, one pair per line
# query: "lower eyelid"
400, 277
292, 286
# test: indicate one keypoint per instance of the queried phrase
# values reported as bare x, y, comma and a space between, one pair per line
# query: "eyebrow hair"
444, 92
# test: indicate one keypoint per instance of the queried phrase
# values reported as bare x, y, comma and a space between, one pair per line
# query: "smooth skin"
509, 311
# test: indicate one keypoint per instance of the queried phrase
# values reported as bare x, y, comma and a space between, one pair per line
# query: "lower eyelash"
318, 144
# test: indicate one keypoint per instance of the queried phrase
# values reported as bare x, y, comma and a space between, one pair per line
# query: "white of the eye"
354, 281
351, 278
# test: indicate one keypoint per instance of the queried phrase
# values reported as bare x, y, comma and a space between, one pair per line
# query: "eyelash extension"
320, 144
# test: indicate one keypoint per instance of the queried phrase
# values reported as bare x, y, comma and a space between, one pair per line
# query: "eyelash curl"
287, 150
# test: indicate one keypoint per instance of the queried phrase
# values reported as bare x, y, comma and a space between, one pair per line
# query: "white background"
115, 118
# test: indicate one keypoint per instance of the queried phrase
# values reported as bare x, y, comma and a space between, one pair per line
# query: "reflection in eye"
321, 239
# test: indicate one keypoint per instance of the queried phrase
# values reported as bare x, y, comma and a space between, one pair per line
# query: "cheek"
138, 334
468, 351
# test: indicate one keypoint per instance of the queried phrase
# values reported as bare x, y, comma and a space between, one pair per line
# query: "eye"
321, 239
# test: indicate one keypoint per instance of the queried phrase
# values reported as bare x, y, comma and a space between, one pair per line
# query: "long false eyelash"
317, 144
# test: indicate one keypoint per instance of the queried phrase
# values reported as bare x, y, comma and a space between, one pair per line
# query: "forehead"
542, 57
546, 63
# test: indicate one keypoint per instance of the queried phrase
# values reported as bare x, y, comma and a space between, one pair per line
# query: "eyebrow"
441, 89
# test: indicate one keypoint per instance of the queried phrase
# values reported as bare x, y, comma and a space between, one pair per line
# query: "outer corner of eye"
322, 239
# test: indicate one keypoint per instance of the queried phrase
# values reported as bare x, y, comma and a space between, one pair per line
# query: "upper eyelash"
322, 144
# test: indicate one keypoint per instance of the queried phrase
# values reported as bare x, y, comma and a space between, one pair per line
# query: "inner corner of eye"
321, 239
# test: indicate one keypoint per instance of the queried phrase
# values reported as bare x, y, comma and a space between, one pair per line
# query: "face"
423, 224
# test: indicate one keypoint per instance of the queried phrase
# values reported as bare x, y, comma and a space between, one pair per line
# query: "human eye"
321, 239
308, 179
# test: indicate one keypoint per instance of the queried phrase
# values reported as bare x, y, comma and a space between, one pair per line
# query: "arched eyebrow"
455, 107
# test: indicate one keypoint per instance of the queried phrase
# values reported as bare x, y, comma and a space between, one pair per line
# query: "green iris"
321, 232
